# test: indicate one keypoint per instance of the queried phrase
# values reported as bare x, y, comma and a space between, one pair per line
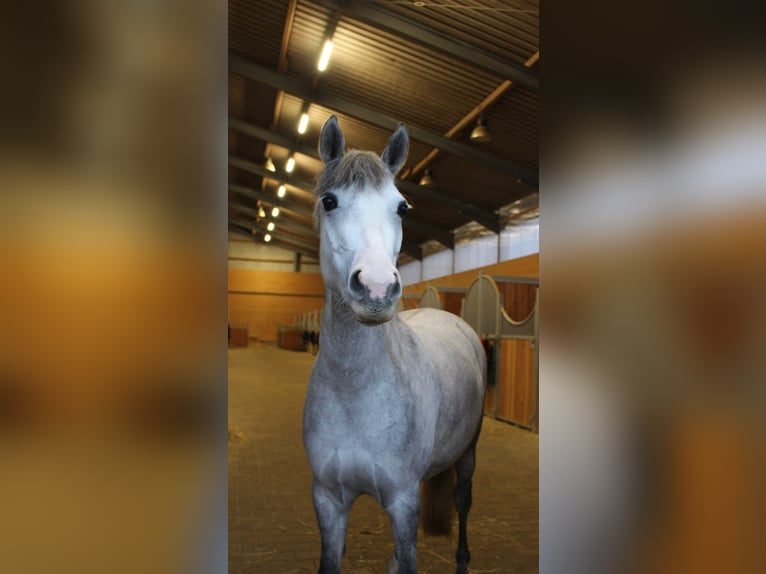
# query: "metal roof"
436, 66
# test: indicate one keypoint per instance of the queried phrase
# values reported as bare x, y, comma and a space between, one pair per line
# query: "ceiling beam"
412, 249
270, 136
292, 205
431, 231
280, 177
305, 246
304, 90
306, 231
239, 230
468, 118
480, 215
425, 36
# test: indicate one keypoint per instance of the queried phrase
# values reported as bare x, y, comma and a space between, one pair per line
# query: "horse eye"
329, 202
402, 209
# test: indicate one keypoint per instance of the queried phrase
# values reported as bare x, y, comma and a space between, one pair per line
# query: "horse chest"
362, 439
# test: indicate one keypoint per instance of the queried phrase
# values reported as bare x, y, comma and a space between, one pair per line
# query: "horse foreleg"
332, 517
404, 511
464, 468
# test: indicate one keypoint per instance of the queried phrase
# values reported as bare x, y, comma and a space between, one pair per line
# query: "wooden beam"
304, 90
468, 118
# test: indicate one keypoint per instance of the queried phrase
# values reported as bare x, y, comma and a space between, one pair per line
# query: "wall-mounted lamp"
267, 238
281, 191
290, 166
275, 212
270, 226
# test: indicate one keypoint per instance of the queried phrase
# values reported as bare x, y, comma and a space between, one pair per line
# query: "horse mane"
357, 169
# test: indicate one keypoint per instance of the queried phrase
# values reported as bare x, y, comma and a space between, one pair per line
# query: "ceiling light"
290, 164
324, 59
304, 123
261, 213
270, 165
270, 226
281, 191
480, 133
275, 212
267, 238
427, 180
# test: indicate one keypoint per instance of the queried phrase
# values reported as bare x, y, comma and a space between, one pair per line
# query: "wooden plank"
277, 282
452, 301
516, 381
264, 312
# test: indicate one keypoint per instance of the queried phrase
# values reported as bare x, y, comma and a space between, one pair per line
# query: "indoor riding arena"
309, 80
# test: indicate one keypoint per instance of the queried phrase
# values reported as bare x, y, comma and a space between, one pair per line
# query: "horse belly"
459, 364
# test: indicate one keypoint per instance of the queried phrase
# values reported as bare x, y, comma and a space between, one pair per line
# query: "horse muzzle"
373, 313
374, 297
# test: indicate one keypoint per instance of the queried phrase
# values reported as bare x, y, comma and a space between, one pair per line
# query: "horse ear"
331, 142
395, 153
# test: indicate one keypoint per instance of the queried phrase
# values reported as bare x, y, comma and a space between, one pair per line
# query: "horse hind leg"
464, 468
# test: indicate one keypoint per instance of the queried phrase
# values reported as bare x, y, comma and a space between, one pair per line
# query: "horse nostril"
355, 283
396, 287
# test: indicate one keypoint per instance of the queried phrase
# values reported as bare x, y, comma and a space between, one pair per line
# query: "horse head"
359, 214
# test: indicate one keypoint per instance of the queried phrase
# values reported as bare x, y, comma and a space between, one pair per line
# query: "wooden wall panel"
528, 266
264, 312
276, 282
516, 378
263, 299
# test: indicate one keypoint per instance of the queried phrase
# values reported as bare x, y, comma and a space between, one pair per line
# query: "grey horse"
393, 399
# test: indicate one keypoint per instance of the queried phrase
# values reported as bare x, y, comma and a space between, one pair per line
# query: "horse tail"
436, 503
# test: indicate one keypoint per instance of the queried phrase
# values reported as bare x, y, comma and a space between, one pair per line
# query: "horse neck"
344, 339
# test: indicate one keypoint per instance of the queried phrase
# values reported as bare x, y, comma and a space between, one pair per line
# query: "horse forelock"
356, 170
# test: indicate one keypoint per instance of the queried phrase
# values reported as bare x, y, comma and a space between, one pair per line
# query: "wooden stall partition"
527, 266
516, 382
518, 299
409, 301
452, 301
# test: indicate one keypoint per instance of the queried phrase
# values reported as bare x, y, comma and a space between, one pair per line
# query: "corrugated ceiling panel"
508, 29
255, 29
